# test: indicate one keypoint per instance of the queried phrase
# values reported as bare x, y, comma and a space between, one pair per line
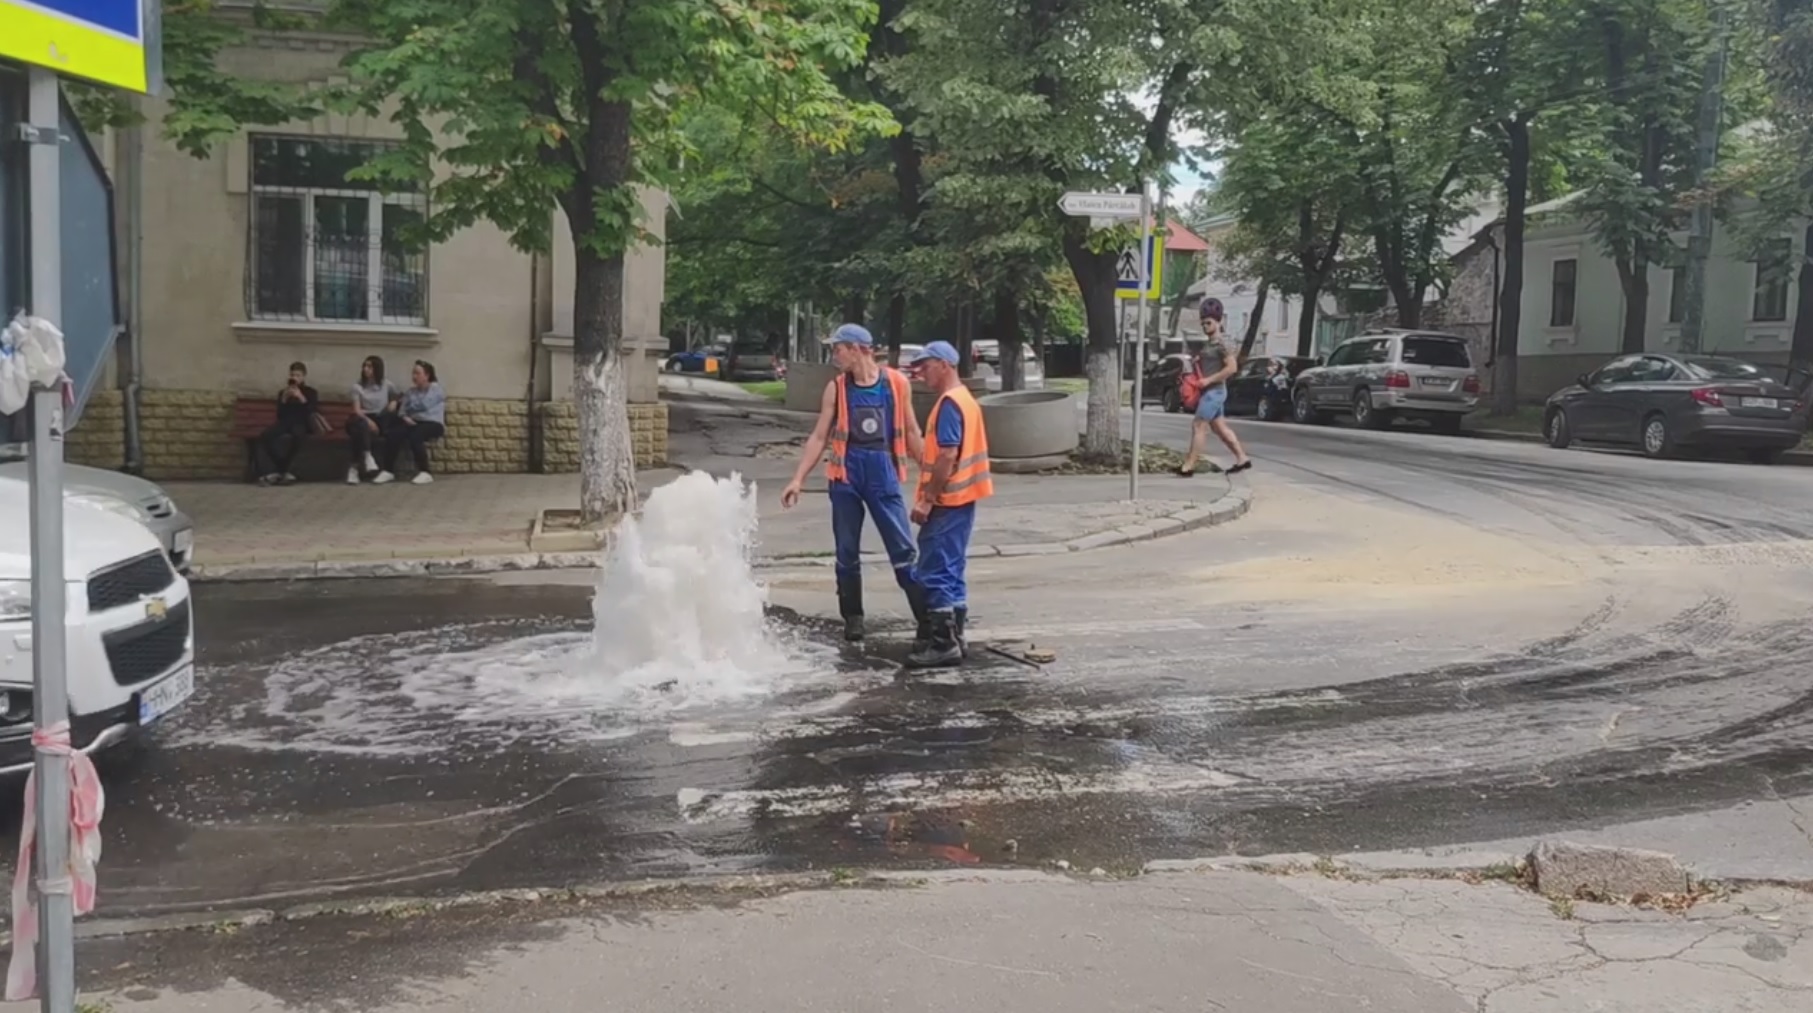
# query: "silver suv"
1381, 377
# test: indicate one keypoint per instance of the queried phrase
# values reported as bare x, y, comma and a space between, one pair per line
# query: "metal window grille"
325, 248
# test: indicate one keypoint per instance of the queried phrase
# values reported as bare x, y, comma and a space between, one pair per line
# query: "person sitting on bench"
297, 404
374, 407
421, 419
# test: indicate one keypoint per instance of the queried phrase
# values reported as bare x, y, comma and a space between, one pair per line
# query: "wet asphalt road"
362, 738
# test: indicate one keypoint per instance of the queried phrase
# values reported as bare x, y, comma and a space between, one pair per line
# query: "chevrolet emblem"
155, 608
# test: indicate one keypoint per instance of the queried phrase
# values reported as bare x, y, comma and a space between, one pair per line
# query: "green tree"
1293, 184
1786, 190
1652, 59
1522, 70
511, 108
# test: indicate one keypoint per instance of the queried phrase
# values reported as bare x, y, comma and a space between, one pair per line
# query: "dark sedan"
1256, 389
1662, 404
1160, 384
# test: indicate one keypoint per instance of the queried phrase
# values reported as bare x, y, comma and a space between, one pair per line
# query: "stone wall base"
186, 434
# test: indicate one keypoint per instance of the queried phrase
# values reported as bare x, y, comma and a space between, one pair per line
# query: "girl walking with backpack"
1204, 391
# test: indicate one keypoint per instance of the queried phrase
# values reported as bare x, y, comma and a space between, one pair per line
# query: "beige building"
263, 254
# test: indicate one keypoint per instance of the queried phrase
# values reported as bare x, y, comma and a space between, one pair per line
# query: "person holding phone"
1214, 364
297, 404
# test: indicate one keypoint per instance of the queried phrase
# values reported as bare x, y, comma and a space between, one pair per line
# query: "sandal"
1242, 466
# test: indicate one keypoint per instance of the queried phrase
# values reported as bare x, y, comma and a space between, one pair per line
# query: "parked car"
131, 640
753, 359
703, 359
1381, 377
1160, 384
126, 495
1665, 403
987, 355
1255, 391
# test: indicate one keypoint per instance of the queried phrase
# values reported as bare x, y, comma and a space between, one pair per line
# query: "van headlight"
15, 600
112, 504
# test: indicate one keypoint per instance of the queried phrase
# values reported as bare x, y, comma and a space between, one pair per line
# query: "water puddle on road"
681, 629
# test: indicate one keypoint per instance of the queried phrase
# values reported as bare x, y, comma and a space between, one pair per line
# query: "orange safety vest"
840, 430
970, 480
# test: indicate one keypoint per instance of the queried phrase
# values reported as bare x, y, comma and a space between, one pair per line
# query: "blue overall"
944, 537
871, 485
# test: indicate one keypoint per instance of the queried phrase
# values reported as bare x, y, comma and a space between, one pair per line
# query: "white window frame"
374, 224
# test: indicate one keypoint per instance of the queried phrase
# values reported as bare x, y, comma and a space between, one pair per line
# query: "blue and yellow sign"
111, 42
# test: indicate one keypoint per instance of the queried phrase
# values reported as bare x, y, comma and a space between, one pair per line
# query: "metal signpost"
1104, 209
1145, 257
115, 43
50, 690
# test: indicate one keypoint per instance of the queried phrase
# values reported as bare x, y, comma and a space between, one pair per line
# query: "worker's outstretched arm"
814, 450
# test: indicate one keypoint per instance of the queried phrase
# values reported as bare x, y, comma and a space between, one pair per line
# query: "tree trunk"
1800, 351
896, 325
1410, 312
1258, 318
1306, 318
856, 308
1094, 274
1510, 292
1007, 332
966, 340
607, 462
1634, 280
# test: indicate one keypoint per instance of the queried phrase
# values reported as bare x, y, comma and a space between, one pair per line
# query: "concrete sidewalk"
479, 523
1012, 942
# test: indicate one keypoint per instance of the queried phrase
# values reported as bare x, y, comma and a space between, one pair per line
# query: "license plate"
1433, 381
183, 542
165, 696
1757, 402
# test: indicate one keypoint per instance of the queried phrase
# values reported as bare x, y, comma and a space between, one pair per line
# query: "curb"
1232, 506
1792, 458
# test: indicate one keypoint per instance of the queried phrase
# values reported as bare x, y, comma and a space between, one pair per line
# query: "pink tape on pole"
75, 876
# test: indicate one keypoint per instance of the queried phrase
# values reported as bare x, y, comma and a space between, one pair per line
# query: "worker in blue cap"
953, 477
865, 420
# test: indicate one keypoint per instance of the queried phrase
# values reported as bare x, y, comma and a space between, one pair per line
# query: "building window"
1563, 287
327, 248
1677, 294
1774, 268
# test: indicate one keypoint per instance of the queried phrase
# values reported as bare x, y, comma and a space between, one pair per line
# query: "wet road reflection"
328, 755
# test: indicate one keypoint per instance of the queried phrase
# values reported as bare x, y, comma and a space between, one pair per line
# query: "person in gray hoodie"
421, 419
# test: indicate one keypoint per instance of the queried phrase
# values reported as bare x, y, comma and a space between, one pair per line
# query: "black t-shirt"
295, 414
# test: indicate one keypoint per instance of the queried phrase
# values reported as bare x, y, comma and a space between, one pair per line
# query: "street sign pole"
1145, 257
50, 690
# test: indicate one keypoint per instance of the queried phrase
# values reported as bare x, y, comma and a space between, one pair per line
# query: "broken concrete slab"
1566, 869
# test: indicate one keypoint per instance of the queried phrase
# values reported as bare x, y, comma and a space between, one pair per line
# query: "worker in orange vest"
866, 421
953, 477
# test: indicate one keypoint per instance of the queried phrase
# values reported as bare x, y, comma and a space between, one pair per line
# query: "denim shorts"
1214, 404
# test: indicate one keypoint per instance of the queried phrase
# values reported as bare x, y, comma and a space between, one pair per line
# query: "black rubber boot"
960, 616
922, 614
849, 605
942, 650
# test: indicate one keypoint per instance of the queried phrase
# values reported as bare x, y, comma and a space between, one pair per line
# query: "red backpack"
1190, 387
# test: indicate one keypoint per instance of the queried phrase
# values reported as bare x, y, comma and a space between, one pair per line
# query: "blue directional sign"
111, 42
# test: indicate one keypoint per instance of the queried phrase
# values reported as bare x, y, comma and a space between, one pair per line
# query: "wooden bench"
252, 416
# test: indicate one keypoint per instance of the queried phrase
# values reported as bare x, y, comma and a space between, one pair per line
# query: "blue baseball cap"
851, 334
940, 350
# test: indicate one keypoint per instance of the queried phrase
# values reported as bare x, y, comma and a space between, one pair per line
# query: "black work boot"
849, 605
922, 614
942, 650
960, 617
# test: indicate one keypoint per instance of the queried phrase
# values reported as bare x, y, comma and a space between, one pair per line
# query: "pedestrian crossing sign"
1126, 270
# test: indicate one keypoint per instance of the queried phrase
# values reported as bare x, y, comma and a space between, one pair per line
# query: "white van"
131, 644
